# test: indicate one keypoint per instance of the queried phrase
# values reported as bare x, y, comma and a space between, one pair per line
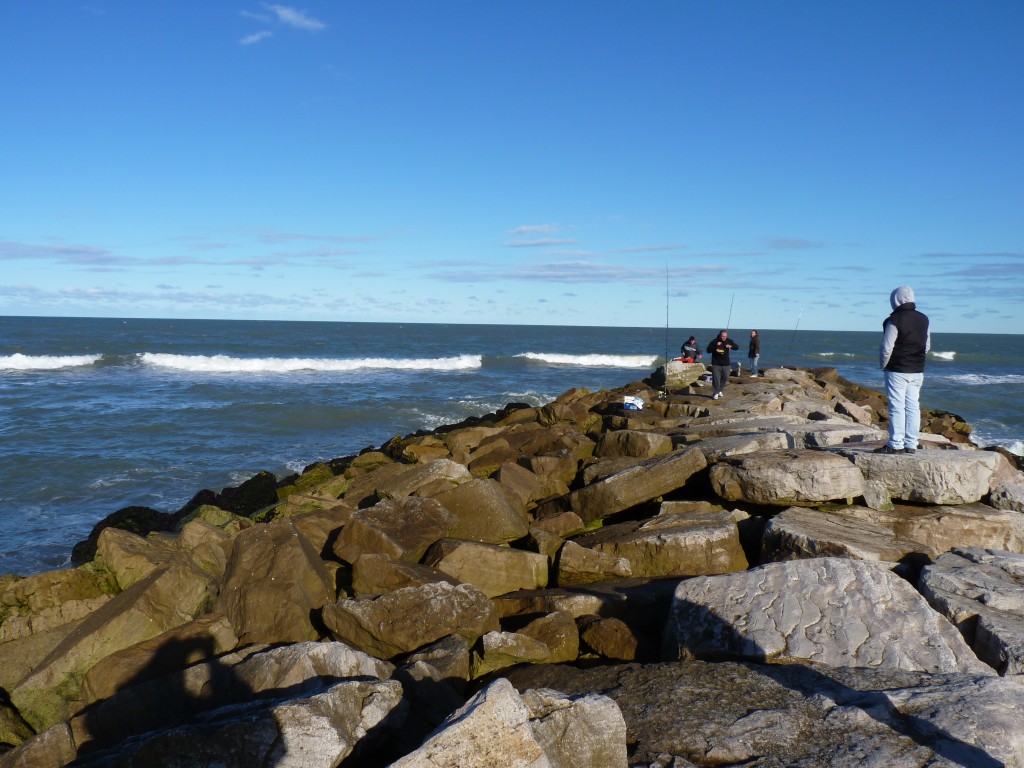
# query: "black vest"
911, 339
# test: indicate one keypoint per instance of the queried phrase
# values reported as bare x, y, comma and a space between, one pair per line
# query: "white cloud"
293, 17
255, 37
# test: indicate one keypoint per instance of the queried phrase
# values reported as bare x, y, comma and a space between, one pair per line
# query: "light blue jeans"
903, 392
753, 364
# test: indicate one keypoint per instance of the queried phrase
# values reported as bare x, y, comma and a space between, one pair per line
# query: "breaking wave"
943, 355
226, 364
20, 362
592, 361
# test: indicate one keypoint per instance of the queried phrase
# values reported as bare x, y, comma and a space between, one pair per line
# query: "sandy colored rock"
275, 579
784, 478
492, 569
646, 481
403, 529
410, 618
484, 513
800, 532
682, 544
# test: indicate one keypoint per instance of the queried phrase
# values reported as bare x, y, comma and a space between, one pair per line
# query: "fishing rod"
792, 338
728, 322
664, 387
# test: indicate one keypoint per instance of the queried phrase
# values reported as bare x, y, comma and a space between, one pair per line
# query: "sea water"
99, 414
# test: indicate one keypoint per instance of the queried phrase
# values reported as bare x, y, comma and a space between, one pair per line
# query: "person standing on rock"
720, 364
754, 352
905, 341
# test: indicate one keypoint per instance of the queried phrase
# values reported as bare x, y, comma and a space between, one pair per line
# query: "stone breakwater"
731, 582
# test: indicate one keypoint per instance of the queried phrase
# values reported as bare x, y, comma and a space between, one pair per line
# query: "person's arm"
711, 346
888, 342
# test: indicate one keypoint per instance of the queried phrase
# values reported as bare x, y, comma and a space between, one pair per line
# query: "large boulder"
492, 569
540, 729
832, 611
167, 597
48, 600
930, 476
164, 696
673, 544
304, 731
410, 618
786, 478
484, 512
702, 714
943, 527
801, 532
641, 483
402, 529
982, 592
274, 582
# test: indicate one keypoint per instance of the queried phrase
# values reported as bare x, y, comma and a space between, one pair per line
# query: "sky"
578, 162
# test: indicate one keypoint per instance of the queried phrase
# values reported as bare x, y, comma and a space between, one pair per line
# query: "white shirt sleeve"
888, 342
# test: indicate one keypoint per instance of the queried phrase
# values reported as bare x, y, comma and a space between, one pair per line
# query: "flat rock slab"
410, 618
701, 714
717, 448
834, 611
800, 532
982, 592
944, 527
673, 544
497, 726
931, 476
647, 480
787, 478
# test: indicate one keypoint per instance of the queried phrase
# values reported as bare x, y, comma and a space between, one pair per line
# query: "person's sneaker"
887, 449
910, 450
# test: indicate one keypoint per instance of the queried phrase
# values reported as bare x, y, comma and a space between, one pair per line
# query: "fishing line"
792, 339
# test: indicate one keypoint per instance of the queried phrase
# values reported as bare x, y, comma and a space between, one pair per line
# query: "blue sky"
514, 161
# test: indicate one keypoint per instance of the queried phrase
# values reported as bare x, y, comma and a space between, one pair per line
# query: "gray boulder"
681, 714
833, 611
800, 532
982, 592
785, 478
934, 477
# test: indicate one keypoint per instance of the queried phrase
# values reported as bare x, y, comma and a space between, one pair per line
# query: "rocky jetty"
695, 583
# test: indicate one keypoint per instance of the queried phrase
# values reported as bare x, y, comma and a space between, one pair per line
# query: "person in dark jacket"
690, 351
906, 340
754, 352
720, 364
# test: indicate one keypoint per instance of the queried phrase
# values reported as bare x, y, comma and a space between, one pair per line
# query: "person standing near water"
720, 364
754, 352
690, 351
905, 341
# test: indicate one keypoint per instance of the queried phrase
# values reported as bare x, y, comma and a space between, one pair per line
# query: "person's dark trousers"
719, 377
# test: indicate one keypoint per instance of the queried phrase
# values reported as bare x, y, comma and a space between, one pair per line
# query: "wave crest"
592, 361
227, 364
943, 355
20, 362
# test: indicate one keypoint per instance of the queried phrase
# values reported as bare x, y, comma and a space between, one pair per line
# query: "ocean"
99, 414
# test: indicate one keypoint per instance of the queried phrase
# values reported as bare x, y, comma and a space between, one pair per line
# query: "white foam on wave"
834, 354
226, 364
983, 380
20, 362
592, 361
943, 355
